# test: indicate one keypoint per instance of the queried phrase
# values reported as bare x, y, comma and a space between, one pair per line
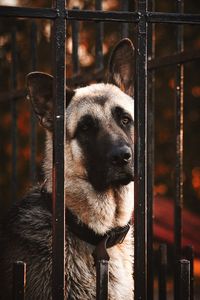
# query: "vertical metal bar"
124, 7
33, 117
179, 154
184, 279
102, 280
58, 262
162, 273
150, 142
189, 255
141, 157
99, 39
14, 118
19, 280
75, 39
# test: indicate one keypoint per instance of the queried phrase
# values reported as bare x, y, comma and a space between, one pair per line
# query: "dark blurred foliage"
164, 104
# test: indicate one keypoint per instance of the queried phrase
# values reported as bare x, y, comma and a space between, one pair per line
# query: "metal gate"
144, 19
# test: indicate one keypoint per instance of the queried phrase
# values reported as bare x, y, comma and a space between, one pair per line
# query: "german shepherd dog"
99, 173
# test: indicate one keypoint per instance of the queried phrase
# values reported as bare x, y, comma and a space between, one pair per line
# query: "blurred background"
26, 45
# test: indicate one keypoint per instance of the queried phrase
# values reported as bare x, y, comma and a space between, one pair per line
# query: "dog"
99, 174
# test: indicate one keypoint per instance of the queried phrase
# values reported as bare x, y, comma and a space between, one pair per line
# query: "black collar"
83, 232
101, 242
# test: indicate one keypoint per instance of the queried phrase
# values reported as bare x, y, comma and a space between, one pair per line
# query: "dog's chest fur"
80, 261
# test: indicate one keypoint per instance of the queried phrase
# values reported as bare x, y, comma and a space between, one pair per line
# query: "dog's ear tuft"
122, 66
40, 92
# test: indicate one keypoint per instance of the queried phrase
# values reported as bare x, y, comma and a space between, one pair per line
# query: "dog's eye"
125, 120
122, 117
86, 124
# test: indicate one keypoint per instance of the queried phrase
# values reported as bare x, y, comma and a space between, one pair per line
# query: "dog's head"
99, 122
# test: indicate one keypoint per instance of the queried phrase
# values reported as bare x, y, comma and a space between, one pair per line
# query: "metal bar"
52, 13
184, 279
150, 166
75, 39
178, 58
124, 7
102, 280
141, 158
99, 39
162, 272
134, 17
19, 280
173, 18
189, 255
179, 155
44, 13
14, 118
33, 117
58, 262
105, 16
130, 17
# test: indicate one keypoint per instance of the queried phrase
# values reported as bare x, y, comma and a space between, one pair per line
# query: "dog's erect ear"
122, 66
40, 92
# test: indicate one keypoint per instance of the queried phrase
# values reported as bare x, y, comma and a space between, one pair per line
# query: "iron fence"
144, 19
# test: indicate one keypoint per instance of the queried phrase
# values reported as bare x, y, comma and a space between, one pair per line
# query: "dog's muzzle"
115, 170
120, 171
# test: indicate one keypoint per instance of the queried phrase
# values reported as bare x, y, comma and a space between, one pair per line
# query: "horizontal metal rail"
104, 16
26, 12
173, 18
179, 58
52, 13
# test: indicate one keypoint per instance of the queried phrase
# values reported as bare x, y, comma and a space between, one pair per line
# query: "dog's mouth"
111, 180
121, 179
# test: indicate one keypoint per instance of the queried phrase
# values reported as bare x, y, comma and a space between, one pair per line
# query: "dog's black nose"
120, 155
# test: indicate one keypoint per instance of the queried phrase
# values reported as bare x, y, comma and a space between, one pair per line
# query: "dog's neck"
101, 242
83, 232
